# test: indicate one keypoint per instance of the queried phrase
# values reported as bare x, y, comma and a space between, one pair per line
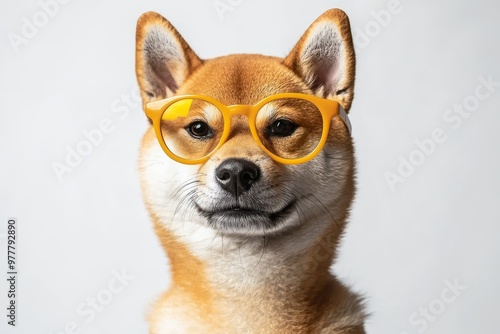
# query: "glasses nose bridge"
240, 109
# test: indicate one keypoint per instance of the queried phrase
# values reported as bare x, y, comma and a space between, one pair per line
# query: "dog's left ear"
324, 58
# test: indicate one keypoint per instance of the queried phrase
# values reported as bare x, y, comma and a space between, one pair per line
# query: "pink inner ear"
322, 59
162, 58
160, 72
325, 76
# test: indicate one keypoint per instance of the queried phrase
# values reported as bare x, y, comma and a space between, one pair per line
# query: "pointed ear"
324, 58
163, 59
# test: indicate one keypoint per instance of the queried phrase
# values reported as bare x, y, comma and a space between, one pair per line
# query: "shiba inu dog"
247, 172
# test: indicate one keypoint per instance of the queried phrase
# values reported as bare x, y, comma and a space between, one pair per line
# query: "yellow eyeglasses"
291, 128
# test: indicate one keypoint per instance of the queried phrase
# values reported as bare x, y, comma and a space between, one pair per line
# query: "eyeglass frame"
328, 109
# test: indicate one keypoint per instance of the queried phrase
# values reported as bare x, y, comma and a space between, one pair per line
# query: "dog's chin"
247, 221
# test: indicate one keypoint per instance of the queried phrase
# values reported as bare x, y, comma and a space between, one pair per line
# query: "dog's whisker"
143, 162
185, 202
325, 209
265, 240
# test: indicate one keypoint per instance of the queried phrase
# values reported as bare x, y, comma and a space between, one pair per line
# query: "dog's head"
240, 189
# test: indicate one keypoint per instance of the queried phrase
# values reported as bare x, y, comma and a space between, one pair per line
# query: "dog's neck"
252, 278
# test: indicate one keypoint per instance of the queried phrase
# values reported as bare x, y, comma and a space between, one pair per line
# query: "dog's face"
240, 190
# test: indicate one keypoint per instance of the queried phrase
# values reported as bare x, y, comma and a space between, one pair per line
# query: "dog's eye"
199, 130
282, 128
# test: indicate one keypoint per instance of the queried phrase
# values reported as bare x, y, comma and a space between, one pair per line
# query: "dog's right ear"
163, 59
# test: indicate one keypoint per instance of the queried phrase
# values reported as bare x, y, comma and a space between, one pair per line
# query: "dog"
248, 195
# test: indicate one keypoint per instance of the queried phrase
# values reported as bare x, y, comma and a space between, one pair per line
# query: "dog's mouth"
237, 219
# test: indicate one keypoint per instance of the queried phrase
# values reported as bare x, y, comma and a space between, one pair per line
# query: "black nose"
237, 175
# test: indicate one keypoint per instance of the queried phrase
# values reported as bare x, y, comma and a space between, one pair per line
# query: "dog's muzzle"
234, 212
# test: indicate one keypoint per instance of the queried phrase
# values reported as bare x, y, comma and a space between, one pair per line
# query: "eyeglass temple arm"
345, 118
154, 106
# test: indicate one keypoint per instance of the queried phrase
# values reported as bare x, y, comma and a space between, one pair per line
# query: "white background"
442, 223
